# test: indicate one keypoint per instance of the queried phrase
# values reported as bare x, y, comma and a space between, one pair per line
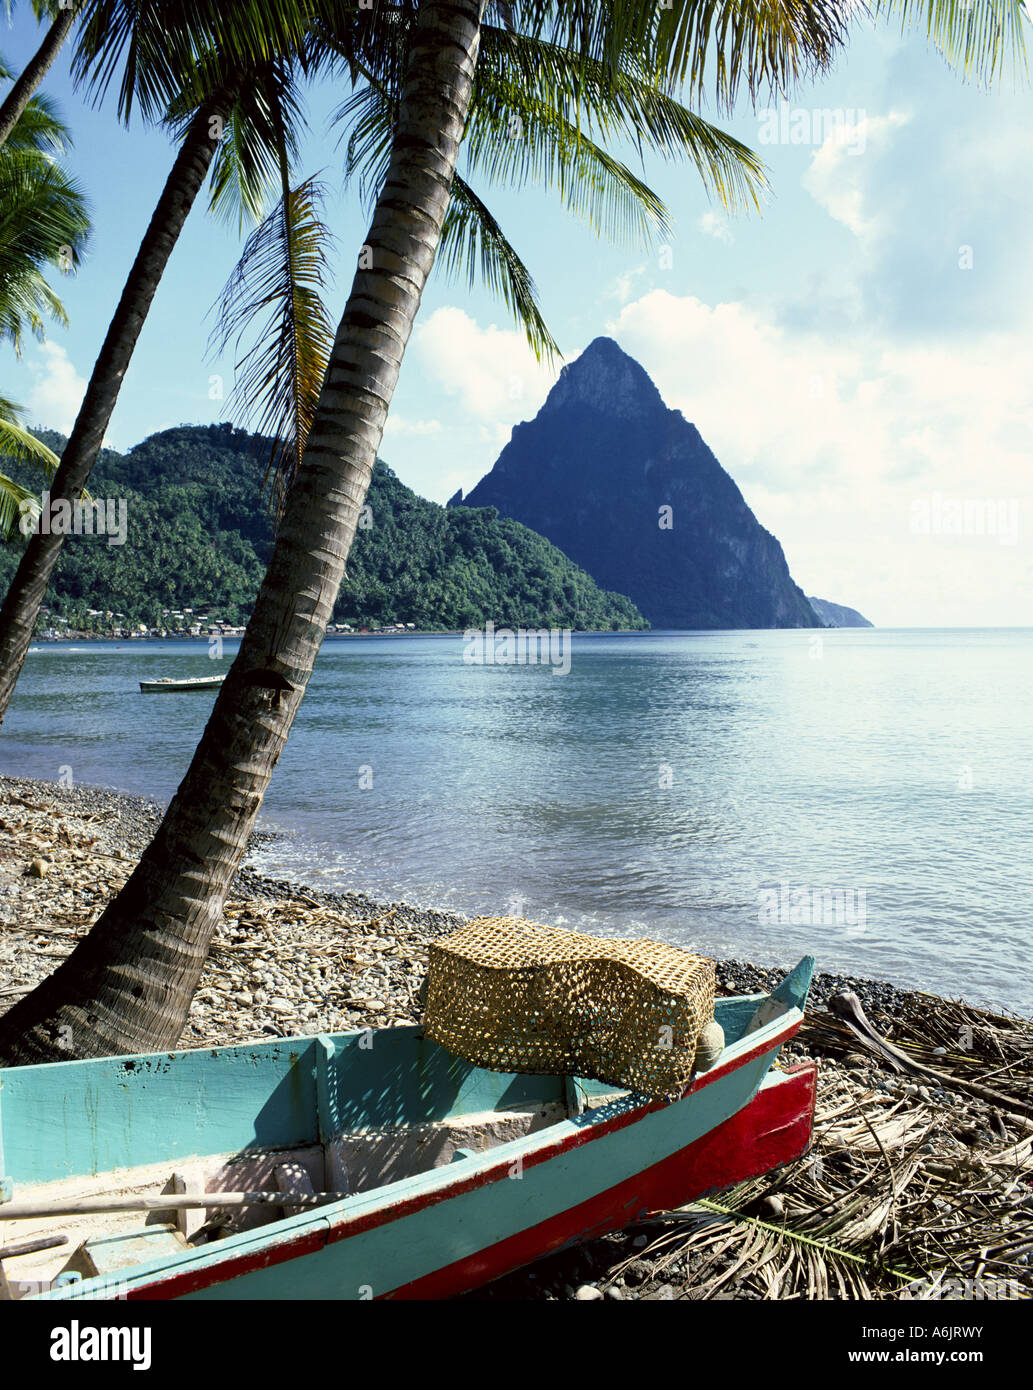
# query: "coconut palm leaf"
15, 501
275, 293
472, 239
518, 138
625, 105
17, 444
24, 86
525, 123
40, 128
541, 146
706, 46
43, 221
978, 37
534, 102
155, 56
265, 123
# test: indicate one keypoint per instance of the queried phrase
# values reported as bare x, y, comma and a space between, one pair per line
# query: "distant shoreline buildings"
177, 623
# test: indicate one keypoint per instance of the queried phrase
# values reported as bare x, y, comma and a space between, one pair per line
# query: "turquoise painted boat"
363, 1165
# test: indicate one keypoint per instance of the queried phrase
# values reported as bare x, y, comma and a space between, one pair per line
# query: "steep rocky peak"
605, 378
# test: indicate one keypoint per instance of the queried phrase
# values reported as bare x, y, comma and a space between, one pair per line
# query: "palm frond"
709, 47
977, 37
549, 150
275, 294
263, 125
515, 139
625, 105
472, 239
370, 113
40, 128
17, 444
15, 503
43, 221
202, 45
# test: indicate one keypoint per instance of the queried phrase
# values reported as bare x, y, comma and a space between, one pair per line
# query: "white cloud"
491, 370
838, 177
834, 441
397, 426
717, 226
624, 284
57, 389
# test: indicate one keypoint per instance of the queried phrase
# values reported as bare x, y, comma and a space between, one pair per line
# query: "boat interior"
299, 1118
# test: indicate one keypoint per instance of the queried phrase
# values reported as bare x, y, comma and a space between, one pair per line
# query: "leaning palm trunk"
33, 73
129, 985
28, 587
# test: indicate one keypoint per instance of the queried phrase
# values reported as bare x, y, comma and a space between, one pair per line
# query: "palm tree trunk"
25, 596
33, 74
129, 985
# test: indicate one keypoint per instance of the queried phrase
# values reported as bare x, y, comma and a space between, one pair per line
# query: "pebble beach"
916, 1185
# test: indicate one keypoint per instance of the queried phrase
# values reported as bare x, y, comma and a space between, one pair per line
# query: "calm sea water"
867, 797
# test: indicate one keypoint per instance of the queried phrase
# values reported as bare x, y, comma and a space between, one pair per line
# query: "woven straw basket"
509, 995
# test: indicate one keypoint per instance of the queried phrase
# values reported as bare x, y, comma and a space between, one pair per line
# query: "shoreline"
290, 960
135, 817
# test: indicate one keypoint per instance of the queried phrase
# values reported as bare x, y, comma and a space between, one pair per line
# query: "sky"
858, 355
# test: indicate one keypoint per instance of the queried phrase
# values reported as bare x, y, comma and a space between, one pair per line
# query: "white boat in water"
194, 683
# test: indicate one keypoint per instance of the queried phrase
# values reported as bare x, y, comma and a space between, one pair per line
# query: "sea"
865, 796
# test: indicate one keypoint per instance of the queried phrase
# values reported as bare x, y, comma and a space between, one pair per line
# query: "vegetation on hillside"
199, 537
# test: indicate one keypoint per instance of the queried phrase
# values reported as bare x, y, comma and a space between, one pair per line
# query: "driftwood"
847, 1007
23, 1211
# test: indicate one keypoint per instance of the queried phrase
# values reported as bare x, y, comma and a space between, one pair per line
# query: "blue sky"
858, 356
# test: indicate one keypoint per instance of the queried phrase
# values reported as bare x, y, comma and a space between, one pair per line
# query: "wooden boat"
364, 1165
195, 683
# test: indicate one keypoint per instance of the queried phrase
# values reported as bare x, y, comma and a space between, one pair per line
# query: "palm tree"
25, 595
43, 222
282, 272
231, 129
23, 90
128, 986
522, 77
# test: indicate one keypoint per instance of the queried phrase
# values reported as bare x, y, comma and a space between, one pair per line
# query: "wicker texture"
509, 995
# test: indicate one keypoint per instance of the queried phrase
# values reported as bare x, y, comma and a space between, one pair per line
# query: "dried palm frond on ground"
917, 1185
908, 1191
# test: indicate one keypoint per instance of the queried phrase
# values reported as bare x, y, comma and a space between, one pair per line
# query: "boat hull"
166, 687
414, 1229
455, 1240
774, 1129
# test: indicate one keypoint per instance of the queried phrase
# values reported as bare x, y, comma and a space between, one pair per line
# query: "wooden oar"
85, 1206
30, 1247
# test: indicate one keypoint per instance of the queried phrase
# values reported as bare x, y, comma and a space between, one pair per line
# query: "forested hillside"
199, 535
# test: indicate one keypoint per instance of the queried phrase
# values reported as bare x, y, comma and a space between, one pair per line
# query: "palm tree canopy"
561, 143
44, 222
556, 84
